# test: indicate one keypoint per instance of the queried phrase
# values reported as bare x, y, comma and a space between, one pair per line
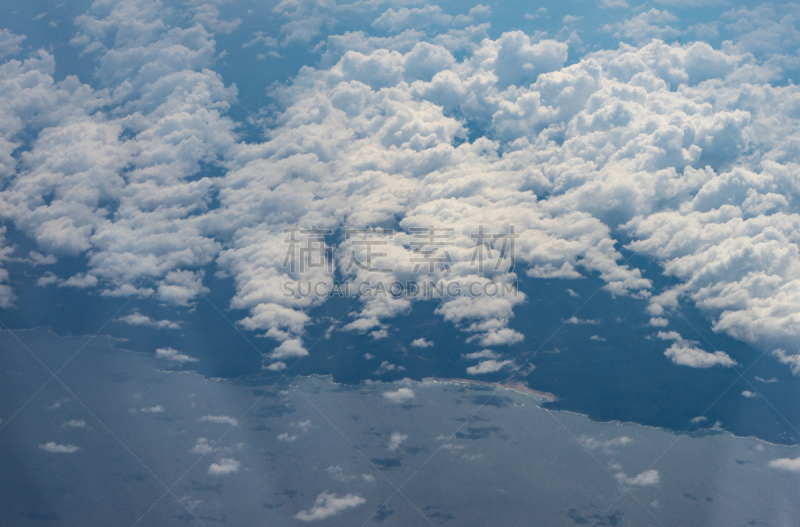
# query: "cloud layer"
684, 151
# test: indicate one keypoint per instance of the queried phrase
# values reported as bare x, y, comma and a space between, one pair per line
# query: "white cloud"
219, 419
483, 354
327, 505
749, 394
623, 139
10, 43
686, 353
645, 479
224, 466
287, 438
401, 395
793, 361
275, 366
488, 366
386, 367
202, 446
607, 447
421, 343
645, 26
55, 448
153, 410
395, 440
575, 320
173, 355
138, 319
74, 423
792, 465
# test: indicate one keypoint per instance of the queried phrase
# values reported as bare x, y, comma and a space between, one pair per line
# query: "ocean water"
391, 453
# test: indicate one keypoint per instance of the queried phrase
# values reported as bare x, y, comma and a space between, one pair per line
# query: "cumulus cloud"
687, 353
488, 366
387, 367
401, 395
219, 419
328, 504
791, 465
483, 354
138, 319
421, 343
285, 437
395, 440
173, 355
223, 467
55, 448
10, 43
688, 149
608, 447
74, 423
645, 479
576, 320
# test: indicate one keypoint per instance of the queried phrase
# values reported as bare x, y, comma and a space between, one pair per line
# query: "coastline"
513, 386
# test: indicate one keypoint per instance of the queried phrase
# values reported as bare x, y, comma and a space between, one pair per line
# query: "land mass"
513, 385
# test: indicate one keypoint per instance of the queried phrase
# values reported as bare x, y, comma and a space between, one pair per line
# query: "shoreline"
513, 386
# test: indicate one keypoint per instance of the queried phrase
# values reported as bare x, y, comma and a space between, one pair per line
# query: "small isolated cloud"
483, 354
287, 438
572, 293
55, 448
74, 423
607, 447
422, 343
749, 394
137, 319
275, 366
219, 419
540, 13
576, 320
337, 473
659, 322
488, 366
645, 479
289, 349
304, 426
173, 355
686, 353
386, 367
597, 338
224, 466
153, 410
792, 465
203, 446
401, 395
771, 380
395, 440
369, 356
699, 419
327, 505
379, 334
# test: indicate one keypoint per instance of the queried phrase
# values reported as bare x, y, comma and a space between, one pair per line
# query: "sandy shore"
515, 386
